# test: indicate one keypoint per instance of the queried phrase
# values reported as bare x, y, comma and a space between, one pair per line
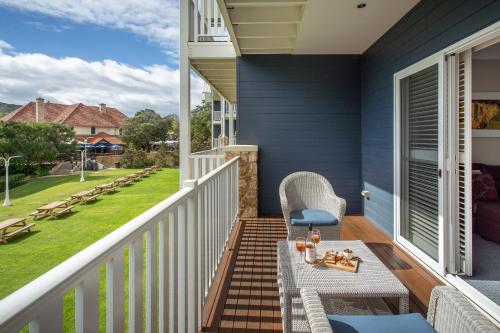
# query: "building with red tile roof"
87, 121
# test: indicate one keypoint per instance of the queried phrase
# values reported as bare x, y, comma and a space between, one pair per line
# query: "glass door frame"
439, 266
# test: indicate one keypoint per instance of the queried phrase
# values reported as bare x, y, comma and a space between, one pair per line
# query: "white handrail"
186, 235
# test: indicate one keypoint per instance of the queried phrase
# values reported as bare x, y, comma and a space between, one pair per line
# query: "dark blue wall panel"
427, 28
304, 114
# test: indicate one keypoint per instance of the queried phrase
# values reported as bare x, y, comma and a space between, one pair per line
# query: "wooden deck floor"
245, 297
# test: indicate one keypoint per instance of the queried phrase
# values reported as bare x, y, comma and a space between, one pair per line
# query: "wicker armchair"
449, 312
302, 190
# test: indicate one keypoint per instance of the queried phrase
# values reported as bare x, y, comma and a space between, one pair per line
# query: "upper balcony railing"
207, 23
181, 240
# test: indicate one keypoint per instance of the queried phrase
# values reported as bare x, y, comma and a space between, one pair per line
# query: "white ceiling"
339, 27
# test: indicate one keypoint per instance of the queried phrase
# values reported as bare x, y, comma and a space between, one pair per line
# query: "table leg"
404, 304
287, 319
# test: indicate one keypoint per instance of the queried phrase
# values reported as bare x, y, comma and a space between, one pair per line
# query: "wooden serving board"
330, 262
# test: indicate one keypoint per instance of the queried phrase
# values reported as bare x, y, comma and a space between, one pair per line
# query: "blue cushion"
314, 216
406, 323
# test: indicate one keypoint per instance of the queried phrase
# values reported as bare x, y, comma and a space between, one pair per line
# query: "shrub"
14, 180
132, 158
164, 157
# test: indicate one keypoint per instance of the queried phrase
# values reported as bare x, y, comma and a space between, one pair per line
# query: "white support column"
185, 94
222, 119
231, 124
213, 114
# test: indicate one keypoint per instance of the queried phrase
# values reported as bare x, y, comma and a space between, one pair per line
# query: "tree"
201, 131
36, 142
146, 126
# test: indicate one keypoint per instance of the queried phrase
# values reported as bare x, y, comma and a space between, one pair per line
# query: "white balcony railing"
207, 22
184, 241
204, 162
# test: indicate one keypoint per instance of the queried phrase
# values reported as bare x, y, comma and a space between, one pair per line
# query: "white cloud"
71, 80
5, 46
157, 20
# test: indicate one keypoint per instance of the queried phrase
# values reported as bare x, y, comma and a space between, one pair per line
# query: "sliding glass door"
419, 187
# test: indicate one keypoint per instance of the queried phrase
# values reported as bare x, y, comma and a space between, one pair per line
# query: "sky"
120, 52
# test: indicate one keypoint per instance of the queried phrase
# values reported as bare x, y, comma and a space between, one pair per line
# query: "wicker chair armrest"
334, 205
285, 207
315, 312
451, 312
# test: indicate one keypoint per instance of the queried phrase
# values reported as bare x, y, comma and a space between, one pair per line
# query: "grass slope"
26, 257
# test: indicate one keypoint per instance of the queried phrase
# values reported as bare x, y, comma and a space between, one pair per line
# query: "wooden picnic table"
51, 209
135, 176
85, 196
106, 188
18, 223
123, 181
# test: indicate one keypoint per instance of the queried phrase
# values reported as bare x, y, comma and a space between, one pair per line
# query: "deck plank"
245, 295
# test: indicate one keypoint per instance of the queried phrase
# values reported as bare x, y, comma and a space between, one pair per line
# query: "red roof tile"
73, 115
112, 139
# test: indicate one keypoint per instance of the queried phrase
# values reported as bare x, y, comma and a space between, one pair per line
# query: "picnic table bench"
18, 223
106, 188
54, 209
85, 196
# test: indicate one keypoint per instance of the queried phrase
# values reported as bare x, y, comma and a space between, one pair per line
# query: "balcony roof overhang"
309, 26
216, 64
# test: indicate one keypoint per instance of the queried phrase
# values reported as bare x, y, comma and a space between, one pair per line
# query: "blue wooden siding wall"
304, 114
304, 111
429, 27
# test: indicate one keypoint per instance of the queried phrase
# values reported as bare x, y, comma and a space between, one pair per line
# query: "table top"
52, 205
122, 179
105, 185
372, 277
11, 222
82, 194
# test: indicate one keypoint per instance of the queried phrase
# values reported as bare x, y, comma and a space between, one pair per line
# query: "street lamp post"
82, 177
7, 164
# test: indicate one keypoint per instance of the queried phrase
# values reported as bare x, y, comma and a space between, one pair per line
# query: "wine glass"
300, 244
316, 236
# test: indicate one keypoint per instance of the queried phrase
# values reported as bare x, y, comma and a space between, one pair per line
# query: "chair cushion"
407, 323
314, 216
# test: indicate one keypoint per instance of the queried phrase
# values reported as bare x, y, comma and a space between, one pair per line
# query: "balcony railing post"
172, 271
135, 286
114, 294
192, 257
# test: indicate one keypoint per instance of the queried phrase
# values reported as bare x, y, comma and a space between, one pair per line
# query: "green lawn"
26, 257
